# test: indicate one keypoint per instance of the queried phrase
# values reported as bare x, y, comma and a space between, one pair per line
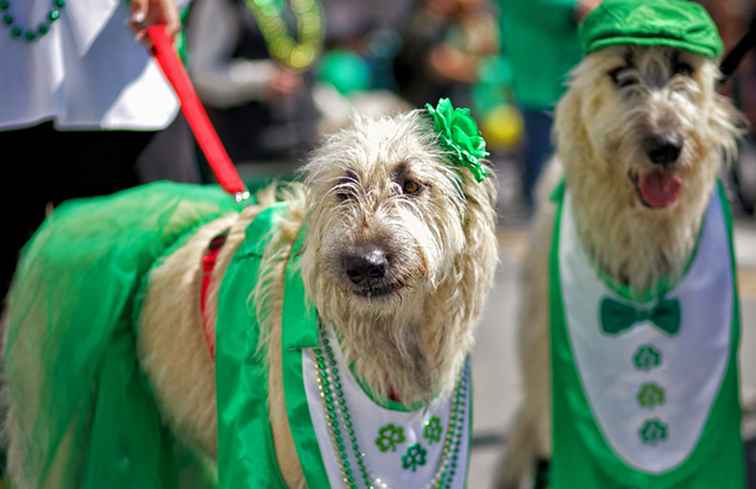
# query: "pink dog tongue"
660, 189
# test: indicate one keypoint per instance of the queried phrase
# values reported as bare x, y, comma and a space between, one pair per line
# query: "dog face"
400, 253
387, 211
653, 123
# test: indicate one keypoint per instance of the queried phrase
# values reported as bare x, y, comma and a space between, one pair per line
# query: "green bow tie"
618, 317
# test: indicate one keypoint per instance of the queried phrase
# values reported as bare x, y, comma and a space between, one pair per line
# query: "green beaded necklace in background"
30, 35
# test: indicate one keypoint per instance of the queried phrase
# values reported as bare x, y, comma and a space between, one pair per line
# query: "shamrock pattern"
414, 457
651, 395
433, 430
389, 437
653, 432
647, 358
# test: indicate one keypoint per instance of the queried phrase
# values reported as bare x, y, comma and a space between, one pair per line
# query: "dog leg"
530, 433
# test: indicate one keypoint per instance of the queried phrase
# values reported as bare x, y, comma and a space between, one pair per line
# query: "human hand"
585, 7
145, 13
284, 82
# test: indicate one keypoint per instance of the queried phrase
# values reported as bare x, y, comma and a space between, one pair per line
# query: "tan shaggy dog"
382, 190
641, 135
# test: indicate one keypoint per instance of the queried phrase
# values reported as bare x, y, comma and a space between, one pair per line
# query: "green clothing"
246, 452
653, 404
70, 356
539, 37
679, 24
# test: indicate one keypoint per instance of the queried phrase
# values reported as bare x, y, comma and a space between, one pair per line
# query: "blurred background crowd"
278, 75
505, 59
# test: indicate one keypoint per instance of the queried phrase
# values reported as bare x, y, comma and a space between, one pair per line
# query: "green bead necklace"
296, 54
30, 35
337, 414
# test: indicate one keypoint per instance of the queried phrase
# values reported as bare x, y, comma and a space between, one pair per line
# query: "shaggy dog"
398, 257
641, 135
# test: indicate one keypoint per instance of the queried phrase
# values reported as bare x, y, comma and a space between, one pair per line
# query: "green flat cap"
679, 24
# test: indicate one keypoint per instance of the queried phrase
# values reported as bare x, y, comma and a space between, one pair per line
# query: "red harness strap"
209, 259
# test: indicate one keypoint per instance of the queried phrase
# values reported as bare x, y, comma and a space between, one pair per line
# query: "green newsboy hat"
679, 24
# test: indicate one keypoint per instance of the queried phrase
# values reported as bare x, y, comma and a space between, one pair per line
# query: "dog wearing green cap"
629, 327
169, 337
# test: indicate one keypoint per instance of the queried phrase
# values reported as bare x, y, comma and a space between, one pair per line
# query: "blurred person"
541, 42
443, 44
735, 18
350, 74
78, 121
251, 62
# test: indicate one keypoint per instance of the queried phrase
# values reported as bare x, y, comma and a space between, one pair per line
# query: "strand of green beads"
453, 440
333, 423
341, 401
455, 425
30, 35
451, 427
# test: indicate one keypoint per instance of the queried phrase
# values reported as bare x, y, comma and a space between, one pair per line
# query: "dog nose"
663, 150
369, 262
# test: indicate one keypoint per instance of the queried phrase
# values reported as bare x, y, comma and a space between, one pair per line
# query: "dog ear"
570, 135
475, 266
726, 125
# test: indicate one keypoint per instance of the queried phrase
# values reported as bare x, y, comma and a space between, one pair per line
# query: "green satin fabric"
246, 455
246, 451
70, 355
582, 457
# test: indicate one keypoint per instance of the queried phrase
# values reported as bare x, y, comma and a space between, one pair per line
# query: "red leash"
207, 138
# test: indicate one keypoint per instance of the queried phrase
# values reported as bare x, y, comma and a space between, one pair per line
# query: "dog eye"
411, 187
623, 77
345, 188
682, 68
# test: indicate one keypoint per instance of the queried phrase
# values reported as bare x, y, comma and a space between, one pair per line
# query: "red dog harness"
209, 259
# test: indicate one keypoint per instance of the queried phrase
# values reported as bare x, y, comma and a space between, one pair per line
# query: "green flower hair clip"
459, 135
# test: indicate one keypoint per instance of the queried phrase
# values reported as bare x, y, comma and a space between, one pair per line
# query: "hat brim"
651, 41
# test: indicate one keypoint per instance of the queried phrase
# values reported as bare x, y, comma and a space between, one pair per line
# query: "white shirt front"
690, 365
88, 72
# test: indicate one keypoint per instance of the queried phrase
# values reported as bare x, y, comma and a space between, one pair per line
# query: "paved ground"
497, 389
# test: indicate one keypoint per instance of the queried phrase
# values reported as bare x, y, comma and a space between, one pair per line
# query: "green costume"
540, 41
645, 389
87, 411
645, 392
70, 354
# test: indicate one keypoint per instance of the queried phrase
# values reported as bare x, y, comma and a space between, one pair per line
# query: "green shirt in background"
539, 37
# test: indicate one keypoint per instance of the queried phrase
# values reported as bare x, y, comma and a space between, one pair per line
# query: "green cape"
70, 355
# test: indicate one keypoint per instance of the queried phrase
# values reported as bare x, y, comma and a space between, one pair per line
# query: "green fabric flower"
414, 457
653, 432
651, 395
389, 437
433, 430
459, 135
647, 357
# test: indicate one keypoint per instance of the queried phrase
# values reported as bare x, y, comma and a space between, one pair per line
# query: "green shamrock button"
433, 430
389, 437
647, 357
414, 457
651, 395
653, 432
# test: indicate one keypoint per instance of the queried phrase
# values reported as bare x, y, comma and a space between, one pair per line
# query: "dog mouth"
657, 189
377, 289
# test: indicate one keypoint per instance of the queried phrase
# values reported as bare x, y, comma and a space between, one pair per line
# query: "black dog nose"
368, 262
663, 150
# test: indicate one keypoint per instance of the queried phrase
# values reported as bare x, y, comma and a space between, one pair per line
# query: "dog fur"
618, 97
382, 183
